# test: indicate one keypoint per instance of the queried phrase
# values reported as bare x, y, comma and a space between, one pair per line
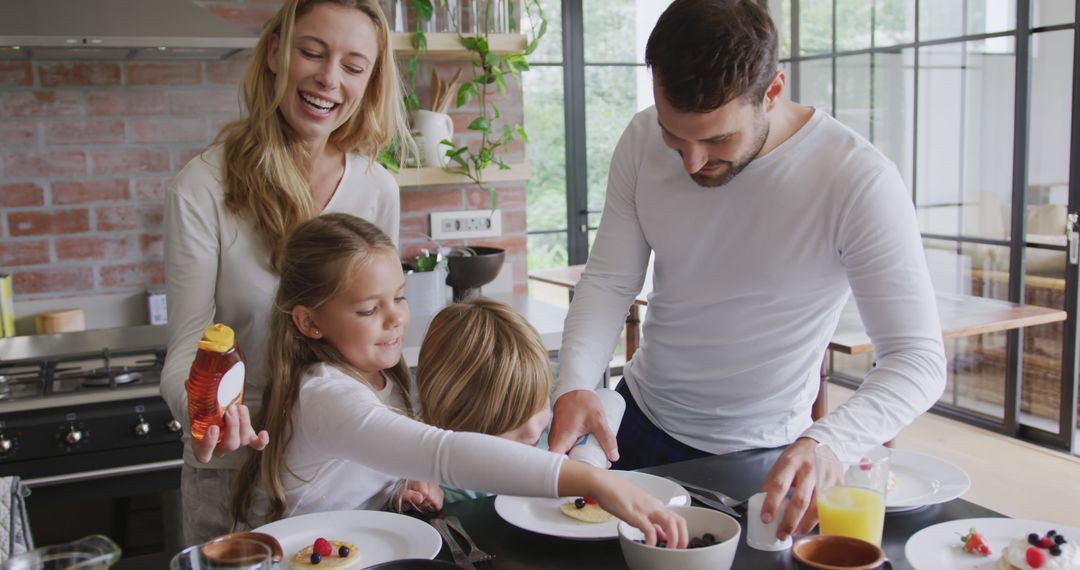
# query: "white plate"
923, 480
380, 536
543, 515
939, 546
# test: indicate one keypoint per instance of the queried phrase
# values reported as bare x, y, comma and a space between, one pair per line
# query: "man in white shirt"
762, 221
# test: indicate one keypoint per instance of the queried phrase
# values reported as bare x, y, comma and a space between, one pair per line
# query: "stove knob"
173, 426
6, 445
73, 436
142, 428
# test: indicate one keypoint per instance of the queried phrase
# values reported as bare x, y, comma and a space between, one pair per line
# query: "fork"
460, 558
727, 500
475, 554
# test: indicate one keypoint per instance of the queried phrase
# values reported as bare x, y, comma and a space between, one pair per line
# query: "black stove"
85, 406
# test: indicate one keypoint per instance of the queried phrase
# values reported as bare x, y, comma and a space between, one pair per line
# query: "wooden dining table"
961, 316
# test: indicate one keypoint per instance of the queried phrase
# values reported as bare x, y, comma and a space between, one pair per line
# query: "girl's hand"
629, 503
624, 500
237, 433
419, 496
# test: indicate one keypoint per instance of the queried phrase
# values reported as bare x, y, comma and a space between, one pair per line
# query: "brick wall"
87, 148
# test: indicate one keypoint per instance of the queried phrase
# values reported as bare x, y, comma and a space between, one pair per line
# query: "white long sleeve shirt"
749, 280
217, 270
350, 447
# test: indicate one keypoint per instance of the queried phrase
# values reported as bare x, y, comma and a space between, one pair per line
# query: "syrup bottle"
216, 380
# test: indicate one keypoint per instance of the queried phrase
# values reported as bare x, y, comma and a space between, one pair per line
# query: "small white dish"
542, 515
379, 536
939, 546
923, 480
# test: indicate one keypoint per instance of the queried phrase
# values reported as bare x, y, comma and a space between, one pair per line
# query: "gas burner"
100, 378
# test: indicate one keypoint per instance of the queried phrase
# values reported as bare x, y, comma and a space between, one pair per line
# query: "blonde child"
336, 400
484, 369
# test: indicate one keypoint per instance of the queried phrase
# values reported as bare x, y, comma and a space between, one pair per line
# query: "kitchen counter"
83, 343
546, 318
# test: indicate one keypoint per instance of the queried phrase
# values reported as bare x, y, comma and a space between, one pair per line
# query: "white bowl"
699, 521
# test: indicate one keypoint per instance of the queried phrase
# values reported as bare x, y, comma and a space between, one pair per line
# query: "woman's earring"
317, 333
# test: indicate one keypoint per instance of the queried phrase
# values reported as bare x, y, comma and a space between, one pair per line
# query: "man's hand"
794, 470
419, 496
237, 433
576, 414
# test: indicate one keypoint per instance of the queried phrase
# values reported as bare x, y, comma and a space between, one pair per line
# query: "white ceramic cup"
435, 127
760, 535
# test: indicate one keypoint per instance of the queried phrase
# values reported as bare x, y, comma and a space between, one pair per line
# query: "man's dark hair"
705, 53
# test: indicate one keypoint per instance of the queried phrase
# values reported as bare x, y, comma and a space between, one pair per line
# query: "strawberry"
975, 543
1046, 542
591, 501
1035, 557
323, 547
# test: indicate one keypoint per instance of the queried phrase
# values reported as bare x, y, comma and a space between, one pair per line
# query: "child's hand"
624, 500
237, 433
629, 503
418, 496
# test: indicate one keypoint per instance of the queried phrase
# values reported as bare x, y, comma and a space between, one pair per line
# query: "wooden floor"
1015, 478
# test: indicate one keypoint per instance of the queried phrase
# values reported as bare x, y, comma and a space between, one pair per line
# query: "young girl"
483, 368
336, 400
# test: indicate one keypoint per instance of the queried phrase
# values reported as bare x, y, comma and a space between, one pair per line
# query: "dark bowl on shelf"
467, 273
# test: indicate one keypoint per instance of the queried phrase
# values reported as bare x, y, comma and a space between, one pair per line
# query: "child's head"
483, 368
340, 300
342, 294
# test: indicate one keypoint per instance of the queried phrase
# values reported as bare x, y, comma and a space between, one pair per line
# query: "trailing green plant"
489, 73
489, 76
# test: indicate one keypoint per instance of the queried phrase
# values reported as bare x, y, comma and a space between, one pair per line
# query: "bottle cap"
217, 338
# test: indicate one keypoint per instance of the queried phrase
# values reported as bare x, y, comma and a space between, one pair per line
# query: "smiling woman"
323, 98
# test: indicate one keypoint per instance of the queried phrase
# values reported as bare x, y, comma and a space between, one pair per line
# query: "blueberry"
708, 538
579, 503
1055, 550
343, 552
640, 541
695, 543
1033, 539
316, 558
661, 544
1059, 539
1051, 533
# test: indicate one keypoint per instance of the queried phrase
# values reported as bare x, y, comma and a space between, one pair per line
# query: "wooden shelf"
449, 46
435, 176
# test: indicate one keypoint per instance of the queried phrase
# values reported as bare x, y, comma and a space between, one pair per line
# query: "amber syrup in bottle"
216, 380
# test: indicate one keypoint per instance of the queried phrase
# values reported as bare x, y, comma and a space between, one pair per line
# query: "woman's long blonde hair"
265, 169
482, 368
318, 261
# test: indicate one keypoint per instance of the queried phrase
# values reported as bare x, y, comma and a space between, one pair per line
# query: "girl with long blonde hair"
337, 406
322, 99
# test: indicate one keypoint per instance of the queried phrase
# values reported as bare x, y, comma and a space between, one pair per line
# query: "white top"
217, 270
350, 447
749, 281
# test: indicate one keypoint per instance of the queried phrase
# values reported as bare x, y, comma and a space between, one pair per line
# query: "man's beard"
734, 167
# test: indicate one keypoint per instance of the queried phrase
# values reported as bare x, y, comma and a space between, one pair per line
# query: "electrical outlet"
466, 224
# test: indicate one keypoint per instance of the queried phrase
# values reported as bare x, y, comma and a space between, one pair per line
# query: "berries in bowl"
714, 538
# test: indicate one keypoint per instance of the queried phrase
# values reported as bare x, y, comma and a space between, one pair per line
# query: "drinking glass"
224, 554
851, 491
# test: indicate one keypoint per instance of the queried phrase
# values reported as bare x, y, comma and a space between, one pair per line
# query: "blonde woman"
483, 368
337, 399
323, 99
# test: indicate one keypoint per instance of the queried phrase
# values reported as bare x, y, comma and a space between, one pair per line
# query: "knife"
713, 503
723, 497
460, 558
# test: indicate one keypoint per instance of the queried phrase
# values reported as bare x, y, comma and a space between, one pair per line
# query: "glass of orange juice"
851, 490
